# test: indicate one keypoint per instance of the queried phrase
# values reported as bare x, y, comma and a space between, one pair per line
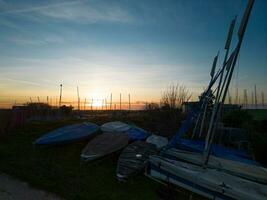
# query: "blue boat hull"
216, 150
136, 133
68, 134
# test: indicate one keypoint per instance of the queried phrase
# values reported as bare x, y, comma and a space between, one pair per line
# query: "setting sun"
97, 103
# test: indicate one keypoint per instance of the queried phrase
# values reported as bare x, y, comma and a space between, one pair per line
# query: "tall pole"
92, 104
47, 100
106, 105
84, 104
30, 99
60, 95
102, 104
129, 97
262, 99
245, 98
236, 97
213, 121
110, 101
38, 99
229, 98
120, 101
252, 99
78, 96
255, 93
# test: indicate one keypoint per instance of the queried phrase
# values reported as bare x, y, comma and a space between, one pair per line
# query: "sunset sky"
123, 46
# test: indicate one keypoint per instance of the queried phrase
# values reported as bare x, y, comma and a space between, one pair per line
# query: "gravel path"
12, 189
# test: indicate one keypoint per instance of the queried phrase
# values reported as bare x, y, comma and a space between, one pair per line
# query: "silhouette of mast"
60, 95
262, 99
129, 98
111, 101
120, 101
255, 93
78, 96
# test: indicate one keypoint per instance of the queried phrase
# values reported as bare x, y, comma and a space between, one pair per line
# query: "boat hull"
68, 134
103, 145
211, 183
133, 158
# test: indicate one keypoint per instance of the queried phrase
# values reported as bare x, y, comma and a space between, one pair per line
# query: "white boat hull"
211, 183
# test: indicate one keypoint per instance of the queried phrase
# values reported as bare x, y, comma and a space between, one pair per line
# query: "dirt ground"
12, 189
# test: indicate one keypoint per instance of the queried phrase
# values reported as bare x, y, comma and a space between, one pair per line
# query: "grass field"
258, 114
59, 170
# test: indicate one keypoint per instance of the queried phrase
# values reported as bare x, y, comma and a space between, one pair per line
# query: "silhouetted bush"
151, 106
174, 96
66, 110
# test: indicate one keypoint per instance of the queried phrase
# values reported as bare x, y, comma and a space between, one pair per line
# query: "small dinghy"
133, 132
116, 126
103, 145
68, 134
159, 141
133, 158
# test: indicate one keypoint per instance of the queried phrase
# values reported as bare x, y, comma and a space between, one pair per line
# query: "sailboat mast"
78, 95
60, 95
235, 54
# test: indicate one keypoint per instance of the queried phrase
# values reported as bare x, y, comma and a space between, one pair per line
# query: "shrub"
66, 110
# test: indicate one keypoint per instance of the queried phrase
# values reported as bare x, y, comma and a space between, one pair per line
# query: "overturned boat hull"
134, 133
68, 134
103, 145
133, 158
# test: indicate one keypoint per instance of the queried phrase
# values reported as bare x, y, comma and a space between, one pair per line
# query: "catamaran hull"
210, 183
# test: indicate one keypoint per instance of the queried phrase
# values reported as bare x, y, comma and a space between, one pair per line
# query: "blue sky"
123, 46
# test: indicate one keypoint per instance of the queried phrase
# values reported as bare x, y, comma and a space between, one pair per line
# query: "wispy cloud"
76, 11
36, 41
7, 23
21, 81
11, 9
